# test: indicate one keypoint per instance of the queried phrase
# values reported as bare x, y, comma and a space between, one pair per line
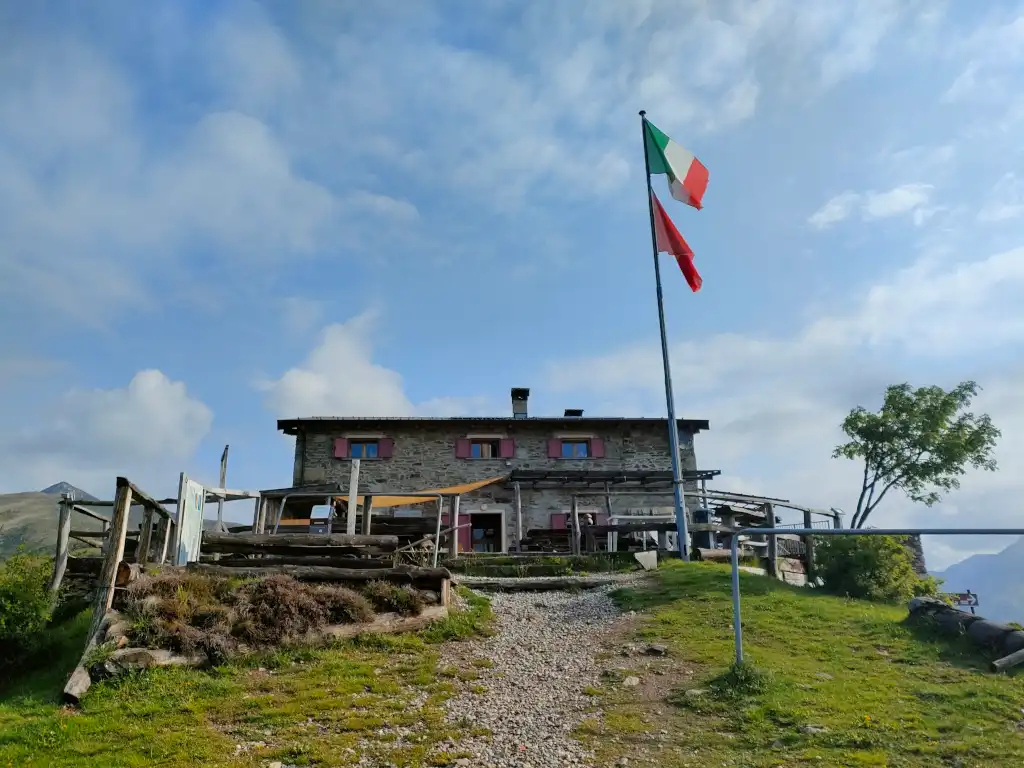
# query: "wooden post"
257, 509
60, 561
453, 523
608, 505
773, 543
519, 516
575, 526
112, 556
353, 498
367, 514
168, 537
809, 546
145, 537
223, 484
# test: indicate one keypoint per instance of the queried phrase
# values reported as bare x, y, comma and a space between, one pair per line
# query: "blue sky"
217, 214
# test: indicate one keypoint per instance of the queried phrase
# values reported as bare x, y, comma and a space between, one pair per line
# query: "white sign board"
191, 498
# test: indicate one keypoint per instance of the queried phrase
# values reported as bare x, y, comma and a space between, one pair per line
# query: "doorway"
487, 531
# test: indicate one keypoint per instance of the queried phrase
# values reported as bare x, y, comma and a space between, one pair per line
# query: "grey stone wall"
917, 555
424, 457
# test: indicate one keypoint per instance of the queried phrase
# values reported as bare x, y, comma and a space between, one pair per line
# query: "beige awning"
383, 502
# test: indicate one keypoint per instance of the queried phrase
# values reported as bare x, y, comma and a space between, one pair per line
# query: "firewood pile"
1004, 642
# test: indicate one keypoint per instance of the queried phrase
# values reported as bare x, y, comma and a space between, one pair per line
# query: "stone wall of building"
423, 457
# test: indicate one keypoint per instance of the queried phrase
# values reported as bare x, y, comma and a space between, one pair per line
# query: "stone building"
537, 464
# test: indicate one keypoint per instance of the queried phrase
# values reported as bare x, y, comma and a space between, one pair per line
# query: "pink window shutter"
559, 521
463, 449
385, 448
465, 535
507, 449
554, 448
597, 448
340, 448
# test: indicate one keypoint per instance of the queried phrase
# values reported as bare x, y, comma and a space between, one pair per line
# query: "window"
363, 449
575, 449
484, 449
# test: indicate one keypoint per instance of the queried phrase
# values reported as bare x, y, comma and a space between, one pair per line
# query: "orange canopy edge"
383, 502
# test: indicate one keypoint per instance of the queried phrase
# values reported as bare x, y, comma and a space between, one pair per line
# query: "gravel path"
543, 659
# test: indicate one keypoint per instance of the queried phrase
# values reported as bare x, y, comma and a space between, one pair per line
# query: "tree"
921, 441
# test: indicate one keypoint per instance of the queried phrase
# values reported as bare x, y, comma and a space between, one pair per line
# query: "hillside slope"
829, 681
30, 520
997, 579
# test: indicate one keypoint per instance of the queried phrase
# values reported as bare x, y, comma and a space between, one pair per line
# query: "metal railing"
737, 624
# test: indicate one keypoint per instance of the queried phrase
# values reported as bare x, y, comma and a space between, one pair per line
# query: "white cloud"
835, 210
908, 198
340, 378
1005, 202
775, 403
146, 430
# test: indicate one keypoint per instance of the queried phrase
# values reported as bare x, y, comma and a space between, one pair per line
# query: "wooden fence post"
60, 562
809, 546
145, 537
575, 526
367, 514
112, 556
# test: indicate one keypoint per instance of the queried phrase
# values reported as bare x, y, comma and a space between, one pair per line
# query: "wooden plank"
60, 560
575, 512
484, 584
1008, 662
168, 537
141, 497
241, 548
100, 534
299, 539
519, 516
453, 523
89, 513
145, 537
402, 574
317, 560
353, 499
367, 515
113, 554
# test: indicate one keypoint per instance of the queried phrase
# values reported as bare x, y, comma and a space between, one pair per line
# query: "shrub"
25, 606
390, 598
870, 567
344, 605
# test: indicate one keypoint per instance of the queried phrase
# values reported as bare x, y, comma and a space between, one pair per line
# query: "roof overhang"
324, 423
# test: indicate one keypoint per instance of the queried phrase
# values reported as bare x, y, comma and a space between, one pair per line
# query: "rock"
275, 764
695, 693
622, 761
824, 676
813, 729
631, 682
656, 650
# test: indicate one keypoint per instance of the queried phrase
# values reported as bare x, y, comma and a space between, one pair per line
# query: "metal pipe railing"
737, 624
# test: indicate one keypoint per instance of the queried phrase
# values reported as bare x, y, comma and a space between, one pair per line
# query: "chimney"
573, 413
519, 397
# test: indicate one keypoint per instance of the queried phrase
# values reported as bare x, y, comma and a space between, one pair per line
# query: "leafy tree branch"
921, 441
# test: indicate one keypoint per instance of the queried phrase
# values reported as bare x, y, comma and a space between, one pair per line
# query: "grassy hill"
832, 682
30, 520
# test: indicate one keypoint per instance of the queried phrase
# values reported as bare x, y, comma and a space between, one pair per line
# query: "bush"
25, 606
870, 567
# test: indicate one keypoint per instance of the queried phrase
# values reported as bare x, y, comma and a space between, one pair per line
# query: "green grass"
499, 566
303, 707
827, 681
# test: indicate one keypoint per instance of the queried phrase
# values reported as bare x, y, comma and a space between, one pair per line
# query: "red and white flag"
670, 241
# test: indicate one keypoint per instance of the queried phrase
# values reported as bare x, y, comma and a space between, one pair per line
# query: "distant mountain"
62, 488
997, 579
30, 520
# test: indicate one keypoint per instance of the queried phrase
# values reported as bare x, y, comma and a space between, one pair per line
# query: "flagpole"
682, 526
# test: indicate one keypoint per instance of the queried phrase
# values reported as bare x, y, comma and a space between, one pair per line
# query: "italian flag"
687, 176
670, 241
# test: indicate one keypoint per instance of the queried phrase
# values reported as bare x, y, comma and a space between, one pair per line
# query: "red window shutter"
602, 519
463, 449
385, 447
597, 448
507, 449
554, 448
559, 521
340, 448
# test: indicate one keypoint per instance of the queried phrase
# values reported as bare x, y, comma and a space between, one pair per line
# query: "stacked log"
1002, 640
